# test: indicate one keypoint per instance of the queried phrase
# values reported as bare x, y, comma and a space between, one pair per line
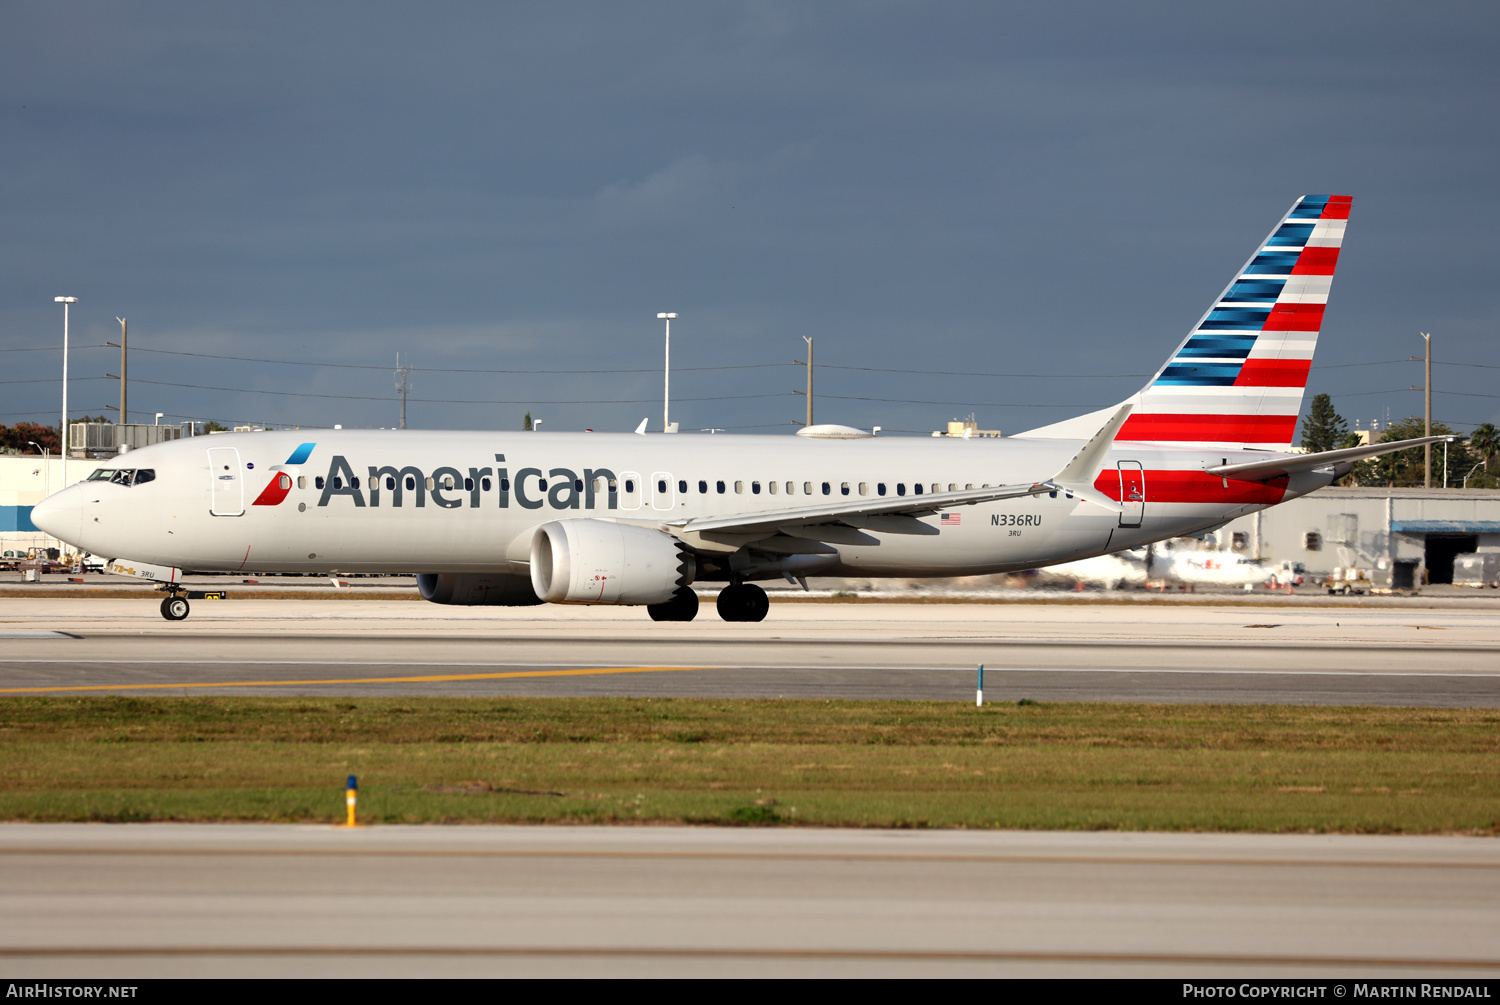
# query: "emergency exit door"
1132, 493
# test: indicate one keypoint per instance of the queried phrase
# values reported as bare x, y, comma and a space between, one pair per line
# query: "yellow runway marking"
435, 678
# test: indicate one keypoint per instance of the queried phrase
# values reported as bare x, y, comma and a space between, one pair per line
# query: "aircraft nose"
60, 515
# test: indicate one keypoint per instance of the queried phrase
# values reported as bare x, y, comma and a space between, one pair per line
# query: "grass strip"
753, 762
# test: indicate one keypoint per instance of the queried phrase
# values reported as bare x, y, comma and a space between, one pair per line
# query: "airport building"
1338, 527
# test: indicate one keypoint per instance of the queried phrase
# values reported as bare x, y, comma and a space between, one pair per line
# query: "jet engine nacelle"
597, 562
476, 589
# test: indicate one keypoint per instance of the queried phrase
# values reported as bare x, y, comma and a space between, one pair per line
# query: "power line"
435, 369
55, 348
964, 404
458, 401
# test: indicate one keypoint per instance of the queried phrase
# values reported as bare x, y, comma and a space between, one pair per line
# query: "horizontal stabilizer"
1276, 467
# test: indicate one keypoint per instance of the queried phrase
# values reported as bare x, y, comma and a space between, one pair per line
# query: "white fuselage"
376, 501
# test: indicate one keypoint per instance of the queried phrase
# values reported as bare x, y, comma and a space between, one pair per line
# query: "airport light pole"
47, 468
63, 429
1427, 425
666, 386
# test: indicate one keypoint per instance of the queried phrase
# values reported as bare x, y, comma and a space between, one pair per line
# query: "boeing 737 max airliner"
586, 518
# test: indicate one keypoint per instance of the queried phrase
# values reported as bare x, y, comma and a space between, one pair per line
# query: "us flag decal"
952, 519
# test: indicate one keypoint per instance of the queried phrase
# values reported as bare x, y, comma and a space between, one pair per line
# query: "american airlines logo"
452, 488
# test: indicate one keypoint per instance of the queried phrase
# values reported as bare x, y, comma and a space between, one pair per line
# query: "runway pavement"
197, 900
1342, 655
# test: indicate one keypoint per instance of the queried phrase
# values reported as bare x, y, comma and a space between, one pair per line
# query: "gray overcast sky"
977, 188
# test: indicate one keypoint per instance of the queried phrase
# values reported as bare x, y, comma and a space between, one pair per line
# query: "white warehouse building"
1336, 527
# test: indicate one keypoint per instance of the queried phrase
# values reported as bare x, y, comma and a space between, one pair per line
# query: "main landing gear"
682, 607
743, 602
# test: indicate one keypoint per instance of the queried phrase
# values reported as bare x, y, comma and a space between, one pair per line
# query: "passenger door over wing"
226, 482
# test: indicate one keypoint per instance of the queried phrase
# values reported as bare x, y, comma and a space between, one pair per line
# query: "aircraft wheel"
730, 603
757, 604
174, 608
682, 607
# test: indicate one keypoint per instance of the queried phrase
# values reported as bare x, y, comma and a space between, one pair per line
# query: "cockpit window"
123, 476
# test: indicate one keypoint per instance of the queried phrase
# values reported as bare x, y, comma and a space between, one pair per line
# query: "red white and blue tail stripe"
1237, 379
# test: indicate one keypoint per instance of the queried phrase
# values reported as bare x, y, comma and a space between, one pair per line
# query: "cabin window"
661, 486
702, 488
302, 481
901, 488
411, 483
791, 488
739, 488
468, 485
807, 488
431, 483
864, 488
966, 487
354, 481
773, 486
484, 483
318, 482
284, 481
720, 486
578, 485
951, 487
614, 485
755, 488
682, 487
843, 488
935, 487
917, 489
541, 485
880, 488
504, 484
629, 485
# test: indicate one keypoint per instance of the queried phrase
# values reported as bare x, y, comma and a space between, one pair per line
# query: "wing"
898, 516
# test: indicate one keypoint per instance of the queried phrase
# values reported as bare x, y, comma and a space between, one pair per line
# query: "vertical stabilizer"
1238, 378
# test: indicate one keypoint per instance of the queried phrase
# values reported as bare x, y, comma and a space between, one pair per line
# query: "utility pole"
809, 391
1427, 411
403, 385
124, 375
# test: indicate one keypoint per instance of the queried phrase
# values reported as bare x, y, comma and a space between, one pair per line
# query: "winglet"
641, 429
1077, 476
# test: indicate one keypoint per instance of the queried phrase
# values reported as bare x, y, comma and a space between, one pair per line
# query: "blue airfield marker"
979, 695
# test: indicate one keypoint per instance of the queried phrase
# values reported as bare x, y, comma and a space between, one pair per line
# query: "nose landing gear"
174, 607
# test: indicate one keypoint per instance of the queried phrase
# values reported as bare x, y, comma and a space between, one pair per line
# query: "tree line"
1467, 457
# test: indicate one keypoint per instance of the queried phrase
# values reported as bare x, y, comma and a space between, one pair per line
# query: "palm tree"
1485, 442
